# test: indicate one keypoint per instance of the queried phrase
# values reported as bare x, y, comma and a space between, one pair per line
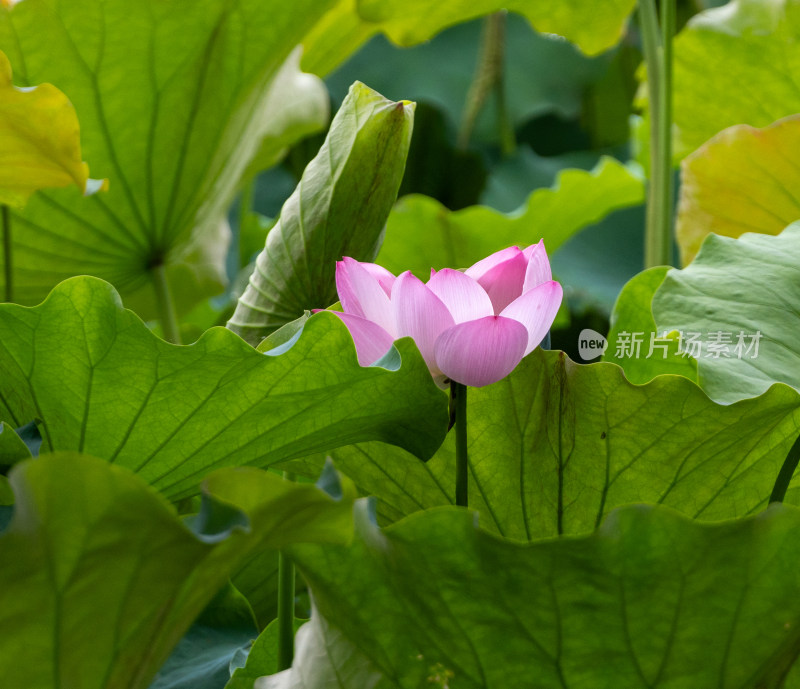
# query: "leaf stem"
786, 473
665, 130
166, 307
7, 254
489, 78
657, 45
459, 395
286, 593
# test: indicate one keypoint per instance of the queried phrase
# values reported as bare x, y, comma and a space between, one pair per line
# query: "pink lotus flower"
472, 327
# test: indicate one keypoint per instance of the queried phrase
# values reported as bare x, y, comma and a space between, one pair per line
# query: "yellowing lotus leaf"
743, 180
39, 141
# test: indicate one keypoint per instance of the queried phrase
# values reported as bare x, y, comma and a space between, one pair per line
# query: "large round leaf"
170, 97
556, 445
651, 600
634, 342
98, 381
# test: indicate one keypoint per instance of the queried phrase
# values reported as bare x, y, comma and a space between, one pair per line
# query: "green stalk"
286, 592
665, 130
489, 79
657, 44
459, 394
7, 255
166, 307
786, 473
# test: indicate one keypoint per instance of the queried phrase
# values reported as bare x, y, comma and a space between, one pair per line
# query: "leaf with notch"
39, 141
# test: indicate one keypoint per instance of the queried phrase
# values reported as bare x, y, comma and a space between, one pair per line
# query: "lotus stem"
286, 594
7, 253
657, 45
166, 306
786, 473
489, 79
459, 395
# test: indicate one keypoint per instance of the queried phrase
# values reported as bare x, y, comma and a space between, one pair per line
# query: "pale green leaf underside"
100, 382
651, 600
422, 234
100, 578
748, 285
169, 96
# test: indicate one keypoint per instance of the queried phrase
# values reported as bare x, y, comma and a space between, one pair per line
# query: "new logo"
591, 344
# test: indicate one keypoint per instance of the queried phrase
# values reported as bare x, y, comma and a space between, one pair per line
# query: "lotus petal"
464, 298
538, 271
371, 341
384, 277
536, 310
362, 295
479, 269
504, 278
420, 314
481, 352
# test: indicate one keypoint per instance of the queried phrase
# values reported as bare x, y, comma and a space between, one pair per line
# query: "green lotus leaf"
556, 445
735, 65
737, 306
171, 98
339, 208
98, 381
101, 579
651, 599
422, 234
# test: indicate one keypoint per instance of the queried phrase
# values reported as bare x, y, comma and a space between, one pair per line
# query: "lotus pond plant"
283, 503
